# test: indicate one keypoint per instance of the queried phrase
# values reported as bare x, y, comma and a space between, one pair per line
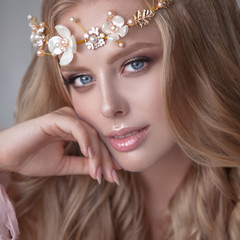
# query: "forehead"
94, 13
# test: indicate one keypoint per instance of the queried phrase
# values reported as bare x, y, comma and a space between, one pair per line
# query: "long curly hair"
201, 42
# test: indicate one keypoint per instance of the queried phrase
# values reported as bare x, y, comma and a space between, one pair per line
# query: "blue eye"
80, 80
84, 79
136, 65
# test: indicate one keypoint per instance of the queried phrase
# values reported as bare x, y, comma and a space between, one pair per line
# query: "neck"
161, 181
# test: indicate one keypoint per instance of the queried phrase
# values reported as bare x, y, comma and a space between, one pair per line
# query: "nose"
113, 103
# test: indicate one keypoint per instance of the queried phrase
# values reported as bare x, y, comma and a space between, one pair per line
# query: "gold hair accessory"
113, 29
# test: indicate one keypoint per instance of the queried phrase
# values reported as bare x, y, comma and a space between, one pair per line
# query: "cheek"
83, 105
149, 100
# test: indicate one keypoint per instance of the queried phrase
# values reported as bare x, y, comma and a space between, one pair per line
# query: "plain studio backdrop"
15, 52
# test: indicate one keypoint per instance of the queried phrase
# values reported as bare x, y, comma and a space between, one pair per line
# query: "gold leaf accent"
166, 3
142, 18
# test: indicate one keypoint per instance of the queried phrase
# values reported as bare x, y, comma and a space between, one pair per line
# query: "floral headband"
113, 29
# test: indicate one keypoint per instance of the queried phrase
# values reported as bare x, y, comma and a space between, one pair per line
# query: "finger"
89, 144
84, 134
73, 165
107, 165
95, 154
70, 129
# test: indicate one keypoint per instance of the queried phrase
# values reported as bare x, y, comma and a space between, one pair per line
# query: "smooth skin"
112, 89
36, 147
115, 88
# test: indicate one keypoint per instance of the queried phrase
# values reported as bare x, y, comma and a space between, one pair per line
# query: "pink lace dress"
8, 221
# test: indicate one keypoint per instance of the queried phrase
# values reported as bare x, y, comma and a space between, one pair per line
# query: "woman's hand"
36, 148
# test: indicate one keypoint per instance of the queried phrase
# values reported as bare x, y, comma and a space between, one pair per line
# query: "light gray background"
15, 52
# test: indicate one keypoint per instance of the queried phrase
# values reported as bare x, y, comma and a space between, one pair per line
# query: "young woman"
158, 102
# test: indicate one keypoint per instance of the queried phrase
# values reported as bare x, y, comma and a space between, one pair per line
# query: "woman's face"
118, 90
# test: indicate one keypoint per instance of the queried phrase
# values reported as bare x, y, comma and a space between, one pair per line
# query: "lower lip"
129, 143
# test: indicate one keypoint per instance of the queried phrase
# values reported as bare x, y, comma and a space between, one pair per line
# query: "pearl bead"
42, 24
63, 42
110, 14
130, 22
160, 5
30, 17
93, 39
114, 28
72, 19
40, 53
121, 44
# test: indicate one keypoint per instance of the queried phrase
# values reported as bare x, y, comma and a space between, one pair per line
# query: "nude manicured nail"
90, 152
99, 175
115, 177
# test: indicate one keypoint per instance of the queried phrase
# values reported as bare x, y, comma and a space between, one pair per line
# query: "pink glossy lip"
128, 139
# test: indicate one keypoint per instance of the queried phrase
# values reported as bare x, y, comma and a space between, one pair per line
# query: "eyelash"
139, 59
72, 79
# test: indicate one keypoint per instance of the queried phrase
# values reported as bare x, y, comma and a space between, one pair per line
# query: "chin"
134, 163
144, 158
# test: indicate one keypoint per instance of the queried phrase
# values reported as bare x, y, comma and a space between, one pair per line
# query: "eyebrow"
124, 51
131, 48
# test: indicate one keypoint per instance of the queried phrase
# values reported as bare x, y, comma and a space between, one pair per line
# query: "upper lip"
124, 131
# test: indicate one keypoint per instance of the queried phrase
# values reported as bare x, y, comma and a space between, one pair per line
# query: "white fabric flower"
65, 45
115, 29
94, 39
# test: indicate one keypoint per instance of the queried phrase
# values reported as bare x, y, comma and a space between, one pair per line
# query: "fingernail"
115, 177
90, 152
99, 175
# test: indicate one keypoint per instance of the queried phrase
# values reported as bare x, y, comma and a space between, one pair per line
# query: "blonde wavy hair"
202, 101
